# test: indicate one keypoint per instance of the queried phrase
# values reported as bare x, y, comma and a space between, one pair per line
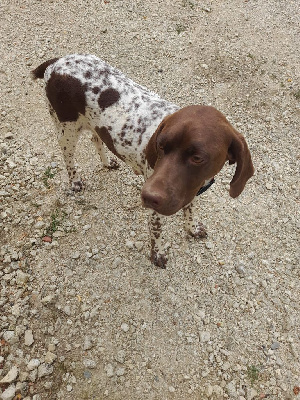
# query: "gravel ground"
87, 316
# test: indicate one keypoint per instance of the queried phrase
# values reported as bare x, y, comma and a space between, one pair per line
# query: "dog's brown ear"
239, 153
151, 149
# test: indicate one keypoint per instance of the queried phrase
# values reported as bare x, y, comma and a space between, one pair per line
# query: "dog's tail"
39, 72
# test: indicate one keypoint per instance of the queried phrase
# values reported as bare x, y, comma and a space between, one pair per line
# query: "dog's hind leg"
68, 134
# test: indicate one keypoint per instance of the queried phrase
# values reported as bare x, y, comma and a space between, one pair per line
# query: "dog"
177, 150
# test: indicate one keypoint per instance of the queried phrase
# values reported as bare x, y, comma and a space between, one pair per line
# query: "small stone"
269, 185
10, 376
87, 374
171, 389
109, 370
120, 371
139, 245
9, 393
33, 375
120, 357
9, 336
23, 376
76, 255
129, 244
125, 327
44, 370
9, 135
47, 239
50, 357
275, 346
88, 344
251, 394
209, 390
21, 278
39, 225
89, 363
48, 299
28, 338
240, 269
204, 337
33, 363
69, 388
67, 310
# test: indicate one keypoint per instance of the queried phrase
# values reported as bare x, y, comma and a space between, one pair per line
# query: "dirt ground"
87, 316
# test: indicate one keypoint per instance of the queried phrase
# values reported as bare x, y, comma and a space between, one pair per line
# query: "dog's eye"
197, 159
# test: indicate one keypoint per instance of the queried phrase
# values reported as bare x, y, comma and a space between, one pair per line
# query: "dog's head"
188, 148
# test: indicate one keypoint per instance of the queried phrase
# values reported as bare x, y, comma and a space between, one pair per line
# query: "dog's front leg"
158, 255
195, 229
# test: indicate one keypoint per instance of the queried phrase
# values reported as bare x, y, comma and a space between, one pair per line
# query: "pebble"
87, 374
88, 344
28, 338
209, 390
125, 327
50, 357
120, 357
44, 370
9, 393
89, 363
33, 363
75, 255
11, 376
204, 337
47, 239
129, 244
275, 346
8, 135
269, 185
120, 371
240, 269
109, 370
21, 278
9, 336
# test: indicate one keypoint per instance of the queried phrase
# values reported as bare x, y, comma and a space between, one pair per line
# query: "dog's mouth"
162, 210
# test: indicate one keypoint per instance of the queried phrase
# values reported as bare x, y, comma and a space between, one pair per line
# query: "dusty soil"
87, 316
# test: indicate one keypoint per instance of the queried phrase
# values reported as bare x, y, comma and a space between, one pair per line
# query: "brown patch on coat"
67, 97
107, 98
106, 138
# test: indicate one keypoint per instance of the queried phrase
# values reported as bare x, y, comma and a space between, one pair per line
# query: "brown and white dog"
178, 151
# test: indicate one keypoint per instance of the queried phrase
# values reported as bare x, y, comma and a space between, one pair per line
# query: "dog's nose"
152, 200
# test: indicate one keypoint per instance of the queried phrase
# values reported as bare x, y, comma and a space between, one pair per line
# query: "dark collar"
205, 187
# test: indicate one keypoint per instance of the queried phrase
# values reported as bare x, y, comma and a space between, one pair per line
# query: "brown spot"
95, 90
107, 98
88, 74
66, 96
106, 138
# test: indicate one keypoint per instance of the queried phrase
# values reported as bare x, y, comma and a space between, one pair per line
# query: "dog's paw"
159, 259
77, 186
199, 232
